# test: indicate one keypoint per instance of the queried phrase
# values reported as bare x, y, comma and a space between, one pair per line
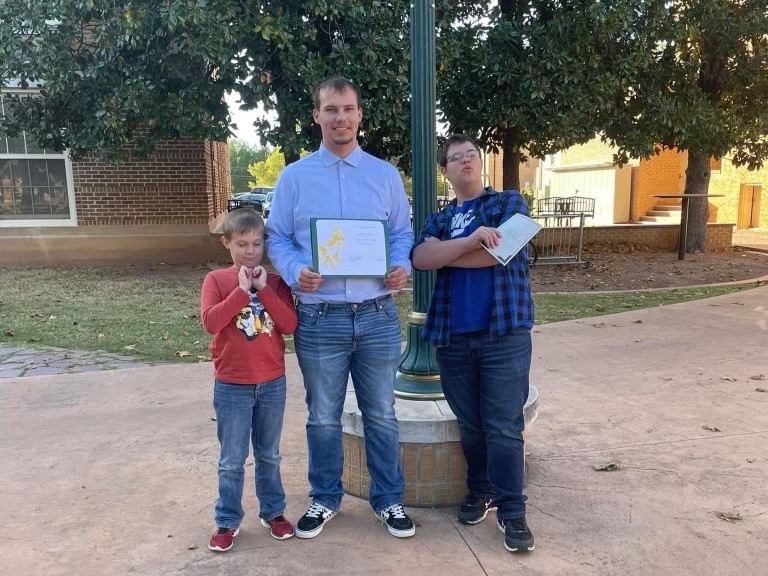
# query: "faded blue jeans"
244, 414
485, 381
332, 342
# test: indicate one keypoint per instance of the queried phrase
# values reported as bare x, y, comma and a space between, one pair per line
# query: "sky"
244, 120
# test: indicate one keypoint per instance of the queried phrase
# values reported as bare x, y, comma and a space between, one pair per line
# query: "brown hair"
442, 152
240, 221
335, 83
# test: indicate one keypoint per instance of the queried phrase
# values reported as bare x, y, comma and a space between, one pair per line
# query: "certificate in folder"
515, 234
348, 248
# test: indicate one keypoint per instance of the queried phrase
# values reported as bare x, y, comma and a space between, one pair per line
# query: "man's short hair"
442, 152
241, 221
336, 84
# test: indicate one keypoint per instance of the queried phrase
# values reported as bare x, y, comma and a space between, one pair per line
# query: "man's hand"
309, 281
396, 279
258, 278
484, 235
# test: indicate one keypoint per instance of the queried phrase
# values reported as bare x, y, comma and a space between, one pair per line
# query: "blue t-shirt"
471, 288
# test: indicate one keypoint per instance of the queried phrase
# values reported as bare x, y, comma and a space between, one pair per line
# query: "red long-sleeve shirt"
247, 345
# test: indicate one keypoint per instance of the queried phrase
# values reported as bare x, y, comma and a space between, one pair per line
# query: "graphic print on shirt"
460, 222
254, 320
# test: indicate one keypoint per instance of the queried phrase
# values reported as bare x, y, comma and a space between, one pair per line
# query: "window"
35, 184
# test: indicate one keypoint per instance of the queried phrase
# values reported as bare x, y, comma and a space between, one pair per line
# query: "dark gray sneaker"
517, 536
474, 509
397, 521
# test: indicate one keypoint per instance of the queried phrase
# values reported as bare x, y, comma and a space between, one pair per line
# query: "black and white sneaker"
474, 509
311, 524
517, 536
397, 521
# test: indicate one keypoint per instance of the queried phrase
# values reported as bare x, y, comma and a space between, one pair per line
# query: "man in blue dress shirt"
346, 325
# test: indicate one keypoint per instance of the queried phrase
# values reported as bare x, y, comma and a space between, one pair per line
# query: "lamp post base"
430, 451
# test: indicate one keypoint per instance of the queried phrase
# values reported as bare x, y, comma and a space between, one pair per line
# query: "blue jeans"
332, 342
485, 381
249, 413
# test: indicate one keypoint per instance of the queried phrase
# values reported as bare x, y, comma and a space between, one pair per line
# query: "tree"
700, 85
299, 42
241, 156
118, 74
266, 172
141, 70
529, 74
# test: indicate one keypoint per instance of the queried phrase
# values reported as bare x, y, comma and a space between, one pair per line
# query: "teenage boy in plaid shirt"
479, 320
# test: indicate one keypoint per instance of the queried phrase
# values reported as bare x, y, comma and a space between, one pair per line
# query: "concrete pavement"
114, 472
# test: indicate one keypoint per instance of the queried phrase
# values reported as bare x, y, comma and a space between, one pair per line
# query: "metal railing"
562, 239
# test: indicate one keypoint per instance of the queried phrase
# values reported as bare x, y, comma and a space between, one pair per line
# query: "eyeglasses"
459, 156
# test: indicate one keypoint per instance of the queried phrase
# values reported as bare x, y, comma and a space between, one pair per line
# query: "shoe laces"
396, 511
515, 524
316, 510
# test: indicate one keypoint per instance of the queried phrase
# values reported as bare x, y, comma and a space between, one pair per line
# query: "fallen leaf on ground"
599, 325
164, 336
760, 390
607, 467
729, 516
727, 378
711, 428
130, 347
192, 547
751, 460
10, 333
182, 353
758, 377
638, 321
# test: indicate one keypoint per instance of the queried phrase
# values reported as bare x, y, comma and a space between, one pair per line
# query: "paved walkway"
113, 472
16, 361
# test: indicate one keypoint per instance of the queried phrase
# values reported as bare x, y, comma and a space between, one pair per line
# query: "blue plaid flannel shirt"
512, 302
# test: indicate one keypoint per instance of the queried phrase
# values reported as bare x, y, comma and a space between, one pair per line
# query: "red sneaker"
222, 539
279, 527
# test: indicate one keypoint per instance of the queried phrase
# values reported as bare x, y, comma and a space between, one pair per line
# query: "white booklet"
515, 234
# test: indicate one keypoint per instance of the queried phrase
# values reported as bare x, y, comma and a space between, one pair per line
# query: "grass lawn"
152, 312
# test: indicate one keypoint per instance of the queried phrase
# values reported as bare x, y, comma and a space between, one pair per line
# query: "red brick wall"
183, 182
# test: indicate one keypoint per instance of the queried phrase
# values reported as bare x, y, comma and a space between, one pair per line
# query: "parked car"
253, 199
267, 204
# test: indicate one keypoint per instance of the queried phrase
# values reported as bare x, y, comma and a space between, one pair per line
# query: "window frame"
21, 222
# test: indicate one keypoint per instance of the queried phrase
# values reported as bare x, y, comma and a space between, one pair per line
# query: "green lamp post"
418, 377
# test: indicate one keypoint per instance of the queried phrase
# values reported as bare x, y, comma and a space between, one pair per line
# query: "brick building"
159, 209
627, 194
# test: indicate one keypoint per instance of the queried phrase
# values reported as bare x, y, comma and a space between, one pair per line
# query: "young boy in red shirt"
247, 310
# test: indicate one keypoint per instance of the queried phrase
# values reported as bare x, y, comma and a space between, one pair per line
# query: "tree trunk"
510, 165
291, 157
697, 182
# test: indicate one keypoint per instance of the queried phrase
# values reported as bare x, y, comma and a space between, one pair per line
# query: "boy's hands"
484, 235
255, 279
259, 277
244, 279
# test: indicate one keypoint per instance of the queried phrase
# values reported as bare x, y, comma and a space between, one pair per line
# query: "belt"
355, 306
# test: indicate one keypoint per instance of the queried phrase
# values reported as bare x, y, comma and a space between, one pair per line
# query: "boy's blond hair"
240, 221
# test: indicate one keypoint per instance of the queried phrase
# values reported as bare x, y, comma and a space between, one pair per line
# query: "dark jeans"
485, 381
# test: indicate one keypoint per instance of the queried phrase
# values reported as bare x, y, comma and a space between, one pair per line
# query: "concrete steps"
662, 214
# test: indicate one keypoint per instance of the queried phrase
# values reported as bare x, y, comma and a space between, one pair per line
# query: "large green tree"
118, 74
530, 74
134, 71
701, 86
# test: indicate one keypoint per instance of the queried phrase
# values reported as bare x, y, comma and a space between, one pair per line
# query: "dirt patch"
630, 267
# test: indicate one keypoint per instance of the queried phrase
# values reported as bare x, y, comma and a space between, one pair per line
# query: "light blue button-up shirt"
323, 185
